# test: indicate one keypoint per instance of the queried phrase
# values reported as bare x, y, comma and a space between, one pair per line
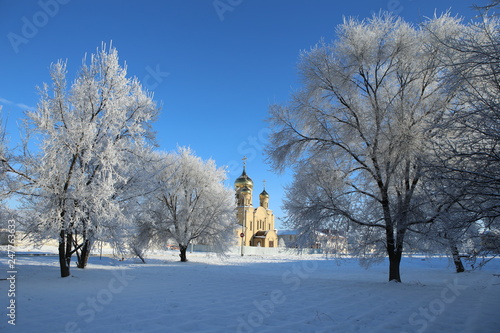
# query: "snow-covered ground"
248, 294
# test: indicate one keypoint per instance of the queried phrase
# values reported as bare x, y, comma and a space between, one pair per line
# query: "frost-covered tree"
319, 199
90, 136
3, 159
7, 172
190, 202
491, 5
138, 237
367, 102
9, 180
469, 141
454, 230
463, 176
4, 167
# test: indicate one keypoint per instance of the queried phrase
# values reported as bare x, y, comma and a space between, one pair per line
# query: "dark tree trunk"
69, 242
83, 258
183, 249
456, 258
394, 251
394, 263
64, 254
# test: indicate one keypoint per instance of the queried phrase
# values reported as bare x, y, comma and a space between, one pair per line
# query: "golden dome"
246, 190
243, 181
264, 194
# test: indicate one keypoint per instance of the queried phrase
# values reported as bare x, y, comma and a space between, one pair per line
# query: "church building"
255, 225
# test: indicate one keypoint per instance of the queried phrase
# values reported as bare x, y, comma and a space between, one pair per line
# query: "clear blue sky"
214, 71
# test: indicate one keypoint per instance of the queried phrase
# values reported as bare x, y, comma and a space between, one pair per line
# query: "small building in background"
288, 238
330, 241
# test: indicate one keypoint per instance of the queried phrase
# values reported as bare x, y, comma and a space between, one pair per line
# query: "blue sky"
213, 66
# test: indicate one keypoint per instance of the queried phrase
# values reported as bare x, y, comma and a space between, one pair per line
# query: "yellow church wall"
254, 220
249, 227
264, 218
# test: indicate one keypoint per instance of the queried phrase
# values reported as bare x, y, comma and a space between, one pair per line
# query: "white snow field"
288, 293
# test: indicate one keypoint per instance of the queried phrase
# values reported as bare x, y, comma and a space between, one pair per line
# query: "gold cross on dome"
264, 181
244, 161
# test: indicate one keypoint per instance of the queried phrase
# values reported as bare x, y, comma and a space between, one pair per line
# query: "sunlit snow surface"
286, 293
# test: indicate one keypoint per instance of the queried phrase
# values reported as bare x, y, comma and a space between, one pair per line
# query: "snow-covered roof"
284, 232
